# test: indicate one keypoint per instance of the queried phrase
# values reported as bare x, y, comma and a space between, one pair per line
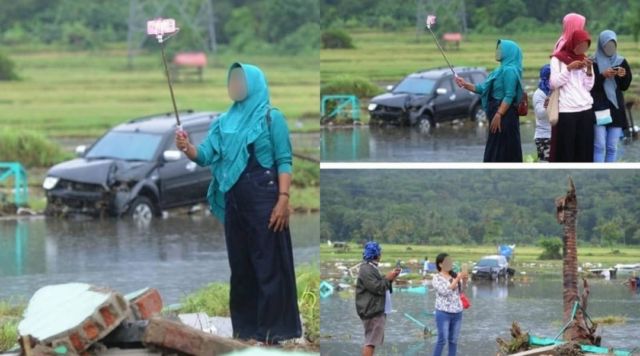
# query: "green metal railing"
14, 171
348, 104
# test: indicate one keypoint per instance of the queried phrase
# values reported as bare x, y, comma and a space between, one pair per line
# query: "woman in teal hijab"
500, 94
249, 152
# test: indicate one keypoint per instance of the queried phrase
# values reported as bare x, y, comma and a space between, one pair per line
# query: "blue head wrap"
545, 73
371, 251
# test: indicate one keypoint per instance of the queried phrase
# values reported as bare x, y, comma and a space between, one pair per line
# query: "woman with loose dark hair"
448, 286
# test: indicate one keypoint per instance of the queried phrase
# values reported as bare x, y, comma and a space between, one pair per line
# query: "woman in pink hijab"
571, 23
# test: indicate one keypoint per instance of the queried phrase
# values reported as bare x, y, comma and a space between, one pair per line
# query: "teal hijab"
230, 135
510, 60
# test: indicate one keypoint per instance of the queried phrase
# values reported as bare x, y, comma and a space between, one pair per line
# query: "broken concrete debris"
73, 315
82, 319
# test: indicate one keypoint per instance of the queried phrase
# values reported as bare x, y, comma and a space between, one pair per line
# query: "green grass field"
82, 94
388, 56
525, 256
10, 314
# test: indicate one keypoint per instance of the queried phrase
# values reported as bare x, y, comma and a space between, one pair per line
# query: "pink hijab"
570, 24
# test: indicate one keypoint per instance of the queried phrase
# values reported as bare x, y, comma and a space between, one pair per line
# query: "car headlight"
50, 182
372, 106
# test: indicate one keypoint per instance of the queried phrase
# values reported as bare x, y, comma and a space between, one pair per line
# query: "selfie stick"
431, 20
159, 33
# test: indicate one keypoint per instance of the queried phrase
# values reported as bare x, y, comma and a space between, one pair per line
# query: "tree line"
243, 25
486, 16
476, 207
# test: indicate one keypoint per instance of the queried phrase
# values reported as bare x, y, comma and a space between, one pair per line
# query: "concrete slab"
74, 315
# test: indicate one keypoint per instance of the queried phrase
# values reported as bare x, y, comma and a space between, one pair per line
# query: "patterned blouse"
447, 300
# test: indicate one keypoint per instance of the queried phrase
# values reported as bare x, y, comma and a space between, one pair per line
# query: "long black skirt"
574, 137
504, 145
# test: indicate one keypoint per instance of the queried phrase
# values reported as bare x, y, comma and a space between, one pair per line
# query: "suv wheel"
425, 123
141, 209
478, 114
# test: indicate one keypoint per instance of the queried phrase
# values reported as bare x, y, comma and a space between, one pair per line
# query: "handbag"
523, 105
466, 304
603, 117
553, 108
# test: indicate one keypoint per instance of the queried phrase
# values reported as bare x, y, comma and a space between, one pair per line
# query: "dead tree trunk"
566, 213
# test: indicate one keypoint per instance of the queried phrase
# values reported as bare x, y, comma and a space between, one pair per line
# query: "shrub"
29, 148
303, 40
78, 36
7, 68
336, 38
348, 85
551, 247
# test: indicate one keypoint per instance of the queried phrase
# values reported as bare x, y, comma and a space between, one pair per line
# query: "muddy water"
462, 142
177, 255
536, 304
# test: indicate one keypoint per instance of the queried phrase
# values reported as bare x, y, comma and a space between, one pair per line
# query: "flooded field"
536, 303
462, 142
176, 255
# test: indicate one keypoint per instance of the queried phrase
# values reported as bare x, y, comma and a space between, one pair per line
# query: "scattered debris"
326, 289
26, 211
579, 331
79, 319
173, 335
519, 341
73, 315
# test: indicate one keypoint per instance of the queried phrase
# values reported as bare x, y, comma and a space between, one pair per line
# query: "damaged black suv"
428, 97
134, 169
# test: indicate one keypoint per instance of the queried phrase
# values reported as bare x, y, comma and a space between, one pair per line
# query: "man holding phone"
373, 297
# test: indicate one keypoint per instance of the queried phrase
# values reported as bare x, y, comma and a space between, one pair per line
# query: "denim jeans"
448, 325
606, 143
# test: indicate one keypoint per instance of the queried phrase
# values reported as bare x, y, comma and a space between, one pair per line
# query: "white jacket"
575, 86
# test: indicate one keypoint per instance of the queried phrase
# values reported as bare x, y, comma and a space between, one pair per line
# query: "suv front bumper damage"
95, 200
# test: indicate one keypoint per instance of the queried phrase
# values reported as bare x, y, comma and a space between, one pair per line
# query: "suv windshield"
413, 85
133, 146
488, 263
